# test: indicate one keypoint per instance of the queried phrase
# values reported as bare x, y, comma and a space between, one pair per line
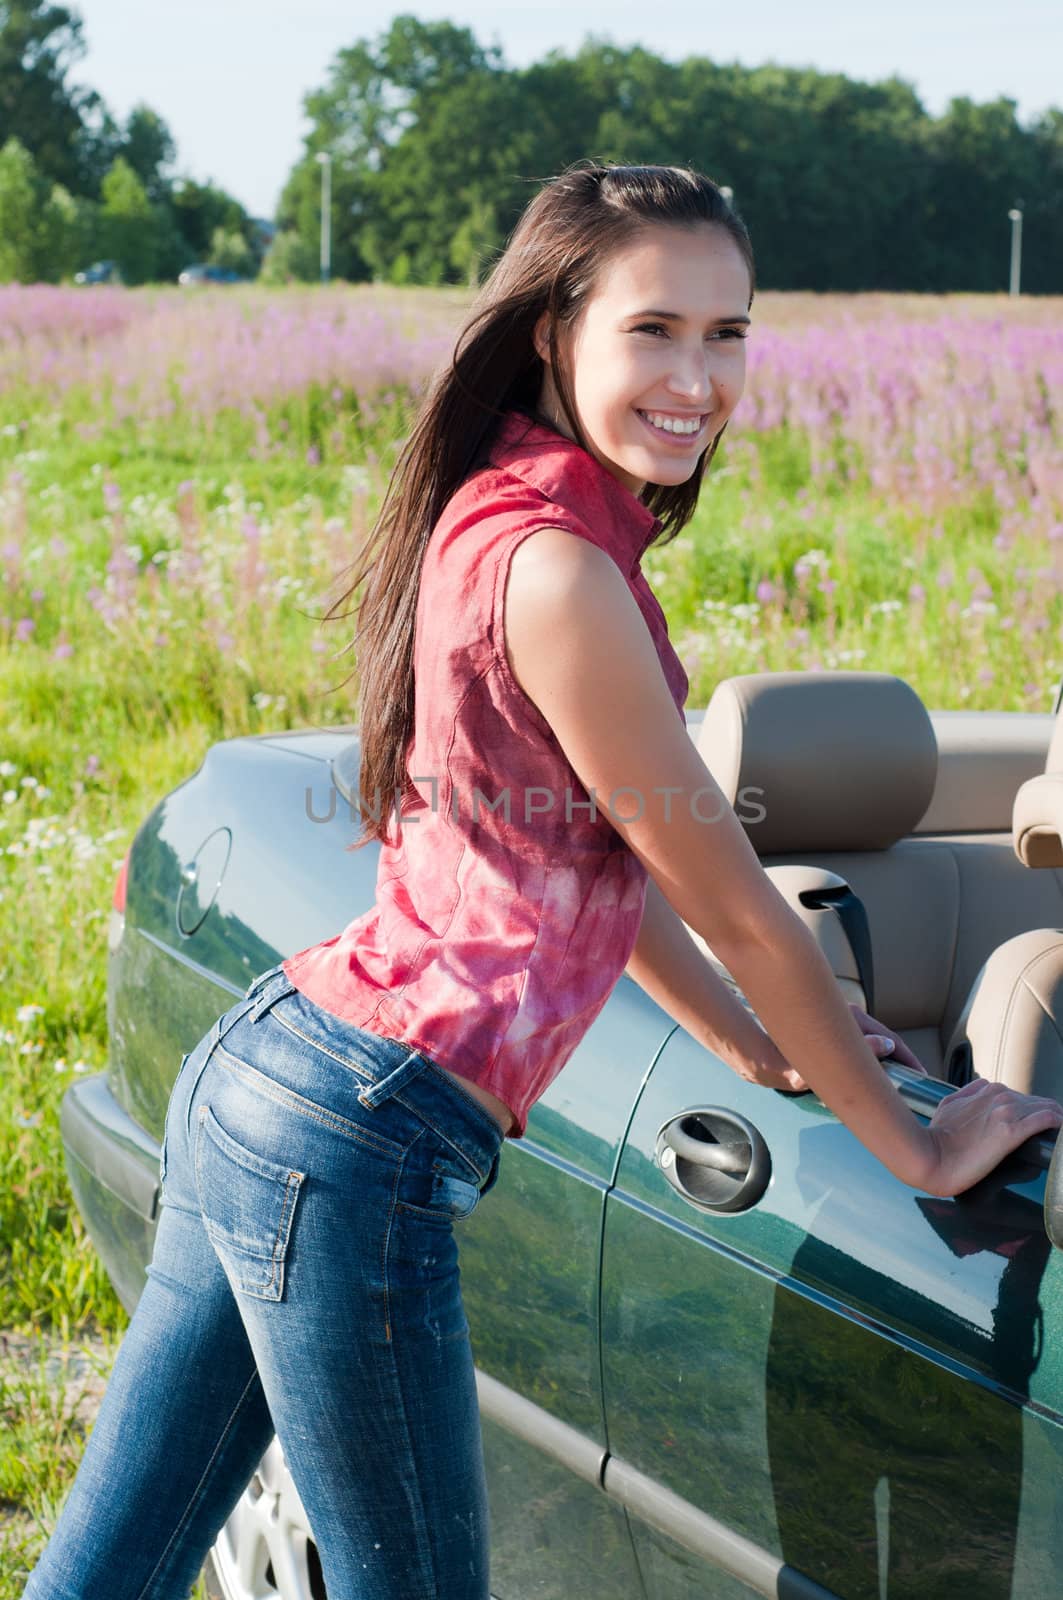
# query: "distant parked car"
720, 1349
201, 272
100, 272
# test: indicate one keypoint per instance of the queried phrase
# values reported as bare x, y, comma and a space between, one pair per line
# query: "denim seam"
437, 1166
387, 1240
243, 1008
196, 1493
309, 1108
204, 1064
319, 1044
291, 1189
452, 1081
433, 1216
423, 1530
426, 1117
163, 1149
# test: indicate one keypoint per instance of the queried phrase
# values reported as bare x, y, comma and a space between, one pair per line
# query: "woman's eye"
650, 327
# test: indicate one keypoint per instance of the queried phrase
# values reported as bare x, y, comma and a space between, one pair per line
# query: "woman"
323, 1137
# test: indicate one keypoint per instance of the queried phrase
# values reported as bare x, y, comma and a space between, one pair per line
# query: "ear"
540, 337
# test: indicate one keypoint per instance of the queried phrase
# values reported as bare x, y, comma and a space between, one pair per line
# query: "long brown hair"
563, 237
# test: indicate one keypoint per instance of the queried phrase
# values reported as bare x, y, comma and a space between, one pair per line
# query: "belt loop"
393, 1081
262, 979
274, 989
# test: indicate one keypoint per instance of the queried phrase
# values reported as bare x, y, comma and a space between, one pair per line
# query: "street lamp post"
325, 162
1015, 217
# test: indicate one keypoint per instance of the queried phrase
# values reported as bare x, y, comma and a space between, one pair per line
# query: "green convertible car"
721, 1351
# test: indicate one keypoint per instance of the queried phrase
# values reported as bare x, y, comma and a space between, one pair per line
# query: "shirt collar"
569, 475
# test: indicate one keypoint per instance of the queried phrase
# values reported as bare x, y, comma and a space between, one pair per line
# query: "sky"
229, 76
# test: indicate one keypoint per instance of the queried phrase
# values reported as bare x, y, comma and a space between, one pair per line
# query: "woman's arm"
601, 688
667, 963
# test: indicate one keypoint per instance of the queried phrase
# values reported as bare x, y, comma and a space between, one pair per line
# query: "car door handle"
724, 1155
714, 1159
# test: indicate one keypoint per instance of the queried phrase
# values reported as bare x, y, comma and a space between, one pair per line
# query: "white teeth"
672, 424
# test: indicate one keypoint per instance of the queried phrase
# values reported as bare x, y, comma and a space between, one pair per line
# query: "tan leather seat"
1011, 1027
834, 771
1037, 816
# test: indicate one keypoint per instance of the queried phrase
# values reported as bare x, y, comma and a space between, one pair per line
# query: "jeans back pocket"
248, 1204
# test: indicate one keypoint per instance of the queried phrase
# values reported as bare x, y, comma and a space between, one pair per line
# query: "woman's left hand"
885, 1043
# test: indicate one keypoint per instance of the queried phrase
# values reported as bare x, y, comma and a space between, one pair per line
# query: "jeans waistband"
391, 1068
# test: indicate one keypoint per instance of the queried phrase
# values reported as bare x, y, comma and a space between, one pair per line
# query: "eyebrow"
674, 316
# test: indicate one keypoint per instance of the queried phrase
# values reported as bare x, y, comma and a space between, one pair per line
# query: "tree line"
76, 186
436, 146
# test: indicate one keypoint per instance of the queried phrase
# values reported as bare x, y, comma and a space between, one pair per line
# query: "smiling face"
656, 357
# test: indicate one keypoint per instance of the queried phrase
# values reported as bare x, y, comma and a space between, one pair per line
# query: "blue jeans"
304, 1281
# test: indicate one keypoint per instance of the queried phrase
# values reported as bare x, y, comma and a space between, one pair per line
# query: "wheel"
266, 1551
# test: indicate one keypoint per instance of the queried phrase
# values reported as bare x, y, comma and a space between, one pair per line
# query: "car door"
842, 1387
529, 1256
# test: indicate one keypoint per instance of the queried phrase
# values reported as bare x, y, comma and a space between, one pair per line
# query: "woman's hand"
975, 1127
780, 1075
772, 1075
884, 1043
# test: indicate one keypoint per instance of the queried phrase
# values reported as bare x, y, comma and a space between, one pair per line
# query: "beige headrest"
1037, 815
821, 760
1037, 821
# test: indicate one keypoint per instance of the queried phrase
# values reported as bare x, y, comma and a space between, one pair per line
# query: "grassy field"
181, 479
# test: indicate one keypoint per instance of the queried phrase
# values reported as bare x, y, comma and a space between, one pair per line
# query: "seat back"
1011, 1027
834, 771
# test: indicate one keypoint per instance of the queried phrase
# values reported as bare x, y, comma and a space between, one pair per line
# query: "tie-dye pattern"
495, 941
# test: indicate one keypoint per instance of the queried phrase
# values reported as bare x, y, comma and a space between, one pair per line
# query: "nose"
691, 377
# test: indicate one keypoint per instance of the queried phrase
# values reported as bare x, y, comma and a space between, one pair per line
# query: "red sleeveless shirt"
509, 908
